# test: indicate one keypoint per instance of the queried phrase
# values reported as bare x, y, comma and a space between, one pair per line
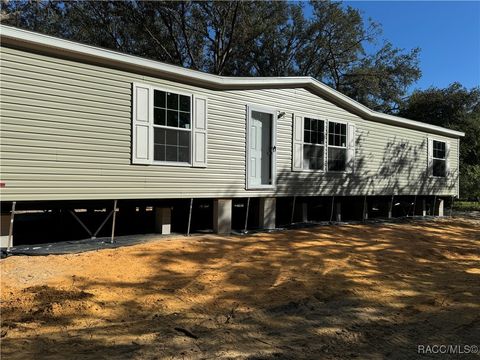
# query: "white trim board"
18, 37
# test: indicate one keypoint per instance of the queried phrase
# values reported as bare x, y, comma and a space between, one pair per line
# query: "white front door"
261, 149
255, 152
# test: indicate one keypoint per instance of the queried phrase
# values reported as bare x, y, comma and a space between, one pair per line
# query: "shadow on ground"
351, 291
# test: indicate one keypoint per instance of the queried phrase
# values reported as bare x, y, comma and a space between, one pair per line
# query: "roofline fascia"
29, 39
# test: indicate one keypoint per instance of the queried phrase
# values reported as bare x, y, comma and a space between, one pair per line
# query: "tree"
336, 55
457, 108
234, 38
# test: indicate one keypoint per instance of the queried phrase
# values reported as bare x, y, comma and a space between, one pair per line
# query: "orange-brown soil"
367, 291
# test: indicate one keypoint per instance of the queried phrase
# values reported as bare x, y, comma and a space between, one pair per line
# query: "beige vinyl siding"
66, 135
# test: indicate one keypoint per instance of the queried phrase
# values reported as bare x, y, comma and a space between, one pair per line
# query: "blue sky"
448, 33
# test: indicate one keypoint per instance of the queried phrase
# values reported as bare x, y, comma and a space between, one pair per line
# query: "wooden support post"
432, 209
113, 222
424, 207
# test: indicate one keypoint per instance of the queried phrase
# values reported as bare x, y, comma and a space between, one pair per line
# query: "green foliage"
241, 38
469, 181
334, 52
457, 108
466, 205
443, 107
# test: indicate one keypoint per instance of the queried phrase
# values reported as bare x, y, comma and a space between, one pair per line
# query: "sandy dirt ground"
370, 291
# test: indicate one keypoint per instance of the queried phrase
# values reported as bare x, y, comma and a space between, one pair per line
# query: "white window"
323, 145
337, 146
172, 118
439, 165
313, 144
169, 127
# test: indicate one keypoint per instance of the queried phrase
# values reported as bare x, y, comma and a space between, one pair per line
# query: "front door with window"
260, 148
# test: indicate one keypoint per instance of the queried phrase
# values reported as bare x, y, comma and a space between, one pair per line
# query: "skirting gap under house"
70, 227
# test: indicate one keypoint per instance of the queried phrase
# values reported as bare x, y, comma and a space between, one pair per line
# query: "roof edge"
12, 35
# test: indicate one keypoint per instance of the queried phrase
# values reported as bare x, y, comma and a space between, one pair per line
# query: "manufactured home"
85, 130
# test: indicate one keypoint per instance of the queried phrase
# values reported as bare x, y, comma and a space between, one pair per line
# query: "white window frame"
274, 112
153, 126
325, 124
445, 159
337, 147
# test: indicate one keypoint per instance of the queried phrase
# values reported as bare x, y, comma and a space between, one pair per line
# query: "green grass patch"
466, 205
